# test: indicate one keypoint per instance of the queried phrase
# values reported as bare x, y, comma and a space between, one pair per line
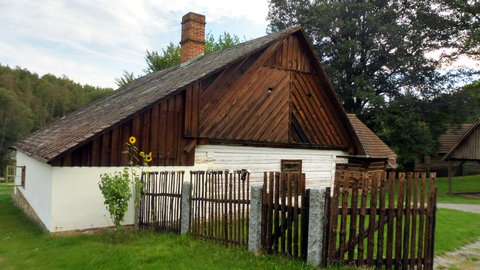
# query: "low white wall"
38, 186
318, 165
77, 202
68, 198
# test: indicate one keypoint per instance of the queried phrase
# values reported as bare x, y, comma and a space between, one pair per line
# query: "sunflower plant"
116, 188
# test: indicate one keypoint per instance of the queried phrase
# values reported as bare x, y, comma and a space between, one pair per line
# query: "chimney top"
193, 36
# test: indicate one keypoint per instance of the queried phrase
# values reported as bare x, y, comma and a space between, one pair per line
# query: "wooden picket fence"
399, 235
160, 201
220, 205
285, 214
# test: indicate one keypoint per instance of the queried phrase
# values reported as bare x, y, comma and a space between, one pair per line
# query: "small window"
13, 173
291, 166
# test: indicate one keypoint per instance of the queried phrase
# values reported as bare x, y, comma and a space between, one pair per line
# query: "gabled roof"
77, 127
451, 137
464, 138
374, 147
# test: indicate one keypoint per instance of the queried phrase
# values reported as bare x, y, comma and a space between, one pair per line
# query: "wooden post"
450, 176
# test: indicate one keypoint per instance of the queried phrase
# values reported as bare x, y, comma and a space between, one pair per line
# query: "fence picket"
372, 217
353, 217
221, 210
408, 221
160, 201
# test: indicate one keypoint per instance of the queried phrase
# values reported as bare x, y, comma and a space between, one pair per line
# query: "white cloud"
87, 40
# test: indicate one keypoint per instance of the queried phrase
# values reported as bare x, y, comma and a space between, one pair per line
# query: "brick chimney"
193, 36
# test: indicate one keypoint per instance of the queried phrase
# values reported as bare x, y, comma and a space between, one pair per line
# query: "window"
12, 172
291, 166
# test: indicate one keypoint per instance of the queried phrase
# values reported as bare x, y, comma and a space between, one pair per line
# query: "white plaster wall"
318, 165
77, 202
68, 198
38, 186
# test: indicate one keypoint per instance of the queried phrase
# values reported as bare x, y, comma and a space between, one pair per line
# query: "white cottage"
262, 105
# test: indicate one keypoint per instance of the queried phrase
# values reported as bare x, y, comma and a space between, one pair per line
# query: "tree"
465, 15
375, 53
15, 122
170, 56
375, 50
28, 103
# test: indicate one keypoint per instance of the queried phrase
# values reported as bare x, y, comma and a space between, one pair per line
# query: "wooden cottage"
262, 105
466, 149
446, 141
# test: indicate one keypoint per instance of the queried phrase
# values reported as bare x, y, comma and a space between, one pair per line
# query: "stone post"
255, 222
185, 214
316, 226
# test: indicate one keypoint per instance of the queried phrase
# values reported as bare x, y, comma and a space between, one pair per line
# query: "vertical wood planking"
391, 215
296, 186
343, 223
363, 213
399, 221
353, 219
410, 225
334, 219
407, 225
381, 219
373, 214
413, 239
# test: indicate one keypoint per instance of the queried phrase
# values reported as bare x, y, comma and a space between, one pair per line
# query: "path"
474, 208
467, 257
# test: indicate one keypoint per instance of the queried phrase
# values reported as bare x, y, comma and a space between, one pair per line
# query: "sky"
92, 42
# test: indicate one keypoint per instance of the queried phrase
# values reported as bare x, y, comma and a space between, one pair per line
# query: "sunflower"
132, 140
142, 154
148, 158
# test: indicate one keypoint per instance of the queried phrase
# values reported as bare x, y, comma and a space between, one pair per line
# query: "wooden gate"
399, 235
285, 214
220, 206
160, 201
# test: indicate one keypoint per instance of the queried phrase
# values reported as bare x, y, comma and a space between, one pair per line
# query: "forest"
29, 102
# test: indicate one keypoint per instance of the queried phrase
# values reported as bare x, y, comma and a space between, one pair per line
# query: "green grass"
460, 184
24, 246
455, 229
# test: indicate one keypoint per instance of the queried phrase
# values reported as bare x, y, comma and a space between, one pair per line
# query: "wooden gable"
468, 146
278, 96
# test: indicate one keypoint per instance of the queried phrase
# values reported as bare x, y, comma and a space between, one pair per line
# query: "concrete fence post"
255, 220
316, 226
185, 208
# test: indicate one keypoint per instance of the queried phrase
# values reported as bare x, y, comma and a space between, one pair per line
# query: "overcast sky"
92, 42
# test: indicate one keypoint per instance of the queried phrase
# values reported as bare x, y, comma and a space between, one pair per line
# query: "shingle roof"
448, 139
101, 114
374, 147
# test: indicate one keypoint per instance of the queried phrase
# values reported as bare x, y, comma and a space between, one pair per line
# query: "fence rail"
285, 214
220, 205
400, 234
160, 201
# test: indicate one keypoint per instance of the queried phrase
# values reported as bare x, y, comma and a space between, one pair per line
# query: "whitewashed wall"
318, 165
68, 198
77, 203
38, 186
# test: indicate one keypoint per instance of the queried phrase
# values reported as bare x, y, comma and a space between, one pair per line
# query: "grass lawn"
460, 184
24, 246
455, 229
